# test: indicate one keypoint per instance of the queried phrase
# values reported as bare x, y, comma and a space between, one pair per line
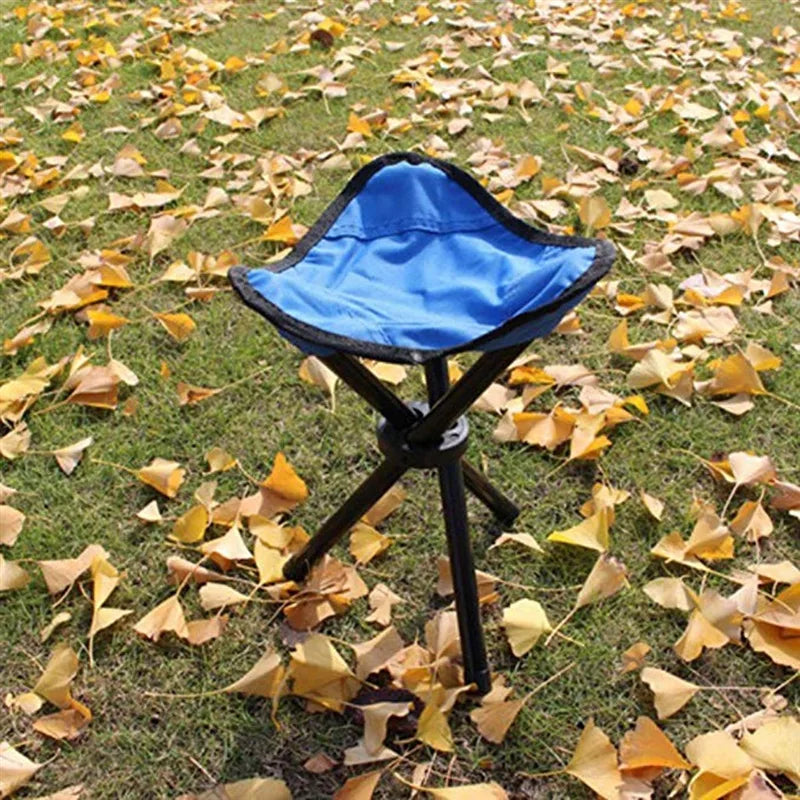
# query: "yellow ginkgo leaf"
191, 526
670, 693
525, 621
54, 683
594, 212
591, 533
263, 679
647, 746
179, 326
594, 762
12, 576
493, 720
607, 577
775, 747
219, 460
165, 617
474, 791
219, 595
15, 769
366, 543
699, 634
284, 481
162, 475
433, 729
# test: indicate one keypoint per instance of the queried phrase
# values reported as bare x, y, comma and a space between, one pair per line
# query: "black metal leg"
367, 494
454, 506
504, 510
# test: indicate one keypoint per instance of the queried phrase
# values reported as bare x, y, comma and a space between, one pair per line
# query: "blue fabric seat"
415, 260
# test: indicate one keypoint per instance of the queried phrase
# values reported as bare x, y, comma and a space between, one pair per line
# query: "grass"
141, 746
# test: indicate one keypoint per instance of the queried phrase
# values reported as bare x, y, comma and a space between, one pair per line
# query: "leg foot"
503, 509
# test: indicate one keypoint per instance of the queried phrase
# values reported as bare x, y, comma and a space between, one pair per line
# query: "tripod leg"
367, 494
504, 510
454, 506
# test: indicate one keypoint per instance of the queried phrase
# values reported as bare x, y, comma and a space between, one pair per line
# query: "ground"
141, 744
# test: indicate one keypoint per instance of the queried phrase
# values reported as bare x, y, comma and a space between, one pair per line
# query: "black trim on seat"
604, 257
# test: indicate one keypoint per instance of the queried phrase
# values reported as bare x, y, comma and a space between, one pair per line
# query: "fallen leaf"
591, 533
594, 762
165, 617
15, 769
163, 476
647, 746
524, 621
670, 693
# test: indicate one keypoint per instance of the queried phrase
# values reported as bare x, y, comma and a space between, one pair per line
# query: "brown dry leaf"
525, 622
375, 653
473, 791
671, 593
62, 574
219, 595
366, 543
752, 521
319, 673
608, 576
594, 762
11, 522
248, 789
162, 475
263, 679
633, 658
670, 693
381, 600
180, 570
179, 326
165, 617
15, 769
591, 533
320, 763
95, 387
226, 550
494, 720
12, 576
360, 787
190, 395
444, 585
69, 457
66, 724
200, 631
389, 373
433, 729
647, 746
163, 231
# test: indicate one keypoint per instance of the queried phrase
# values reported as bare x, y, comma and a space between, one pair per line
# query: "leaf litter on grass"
698, 155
